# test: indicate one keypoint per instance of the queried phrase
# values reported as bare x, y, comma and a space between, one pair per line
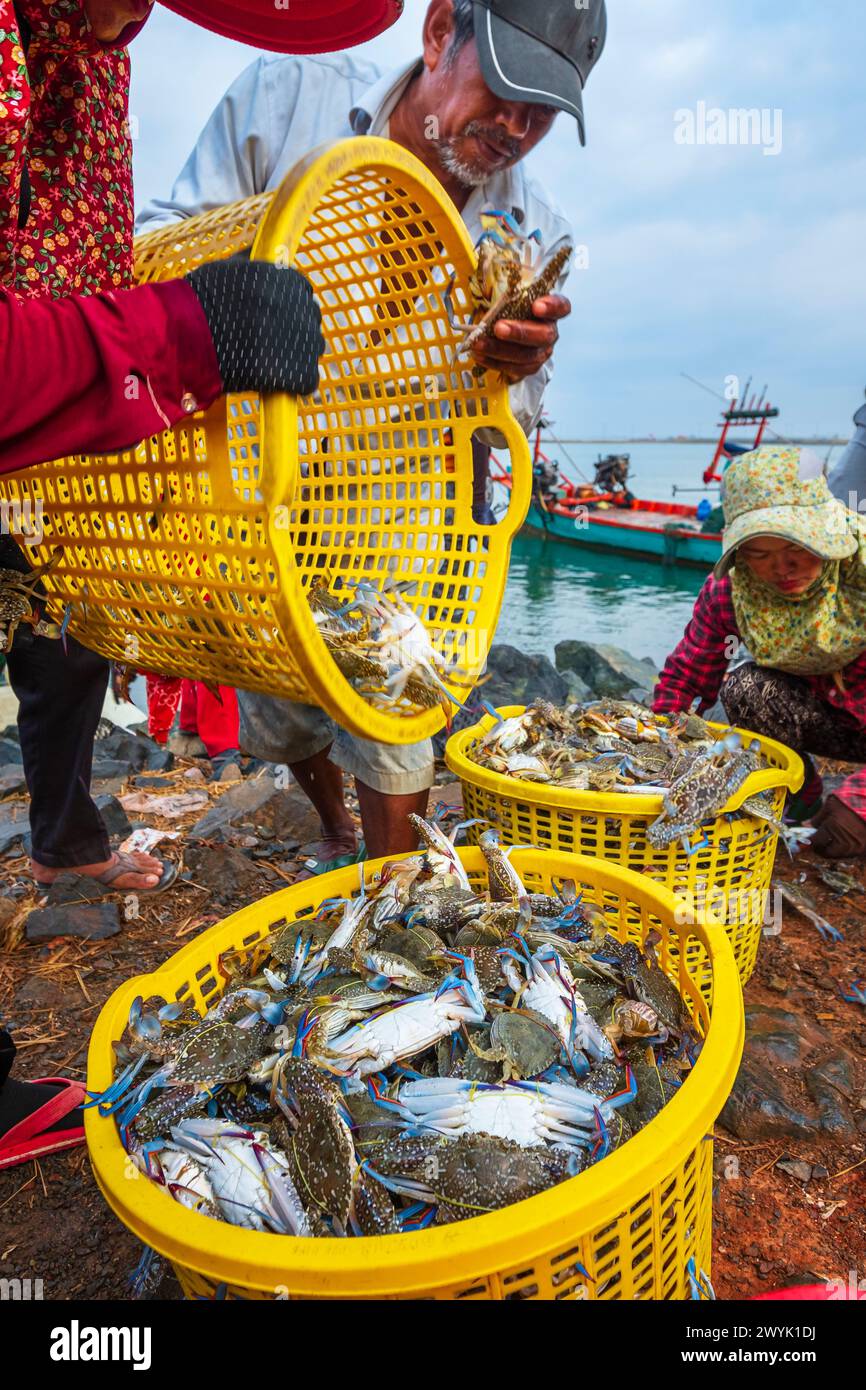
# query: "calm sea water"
558, 591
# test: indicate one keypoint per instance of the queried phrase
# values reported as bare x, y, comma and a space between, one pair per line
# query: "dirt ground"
771, 1228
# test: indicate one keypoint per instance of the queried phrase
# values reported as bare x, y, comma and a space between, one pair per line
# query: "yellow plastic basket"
191, 554
727, 872
624, 1229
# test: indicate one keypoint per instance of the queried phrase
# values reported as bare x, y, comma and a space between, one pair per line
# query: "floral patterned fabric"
812, 634
780, 490
695, 670
63, 113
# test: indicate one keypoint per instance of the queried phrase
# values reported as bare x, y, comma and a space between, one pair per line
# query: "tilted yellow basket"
727, 871
627, 1228
191, 555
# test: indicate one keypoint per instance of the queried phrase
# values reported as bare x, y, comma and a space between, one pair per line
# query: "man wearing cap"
791, 584
490, 82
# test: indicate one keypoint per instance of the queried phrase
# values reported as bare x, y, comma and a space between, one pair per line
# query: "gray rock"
135, 750
514, 678
259, 808
109, 786
110, 770
779, 1090
786, 1037
10, 733
14, 828
10, 751
115, 818
578, 690
795, 1168
828, 1084
42, 993
71, 888
608, 671
518, 678
757, 1107
152, 782
836, 1071
93, 920
12, 780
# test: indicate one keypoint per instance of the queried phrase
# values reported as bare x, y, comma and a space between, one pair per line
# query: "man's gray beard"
467, 175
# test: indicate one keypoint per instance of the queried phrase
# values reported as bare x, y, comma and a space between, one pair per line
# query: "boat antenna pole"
782, 438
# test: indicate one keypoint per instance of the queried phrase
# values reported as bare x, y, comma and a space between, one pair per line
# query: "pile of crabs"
619, 746
420, 1052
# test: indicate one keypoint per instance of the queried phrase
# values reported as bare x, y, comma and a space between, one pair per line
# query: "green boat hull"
669, 543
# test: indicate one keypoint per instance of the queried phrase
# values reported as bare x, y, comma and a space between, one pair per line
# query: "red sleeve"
95, 374
696, 668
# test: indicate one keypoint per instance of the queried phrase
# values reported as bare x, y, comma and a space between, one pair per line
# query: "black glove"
841, 832
265, 324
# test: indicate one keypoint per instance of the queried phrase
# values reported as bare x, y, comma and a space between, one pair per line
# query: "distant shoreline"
685, 439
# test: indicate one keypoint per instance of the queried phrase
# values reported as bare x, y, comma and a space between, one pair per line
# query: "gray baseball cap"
540, 51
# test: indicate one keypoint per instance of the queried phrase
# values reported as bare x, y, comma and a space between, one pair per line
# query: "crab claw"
147, 1028
601, 1146
699, 1283
114, 1096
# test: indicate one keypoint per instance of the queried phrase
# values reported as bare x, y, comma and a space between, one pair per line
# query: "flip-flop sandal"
34, 1136
126, 864
313, 867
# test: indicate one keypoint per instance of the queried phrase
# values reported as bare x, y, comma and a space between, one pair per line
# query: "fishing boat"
604, 514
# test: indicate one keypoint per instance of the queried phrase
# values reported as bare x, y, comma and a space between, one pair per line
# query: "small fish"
839, 882
800, 900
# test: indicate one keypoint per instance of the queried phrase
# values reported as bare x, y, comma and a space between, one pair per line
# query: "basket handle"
790, 777
521, 471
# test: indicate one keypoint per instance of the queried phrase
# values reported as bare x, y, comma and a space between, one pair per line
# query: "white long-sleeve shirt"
281, 108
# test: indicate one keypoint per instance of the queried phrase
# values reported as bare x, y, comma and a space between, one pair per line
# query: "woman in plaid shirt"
791, 584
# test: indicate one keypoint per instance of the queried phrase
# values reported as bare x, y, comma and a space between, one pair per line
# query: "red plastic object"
33, 1136
293, 26
811, 1293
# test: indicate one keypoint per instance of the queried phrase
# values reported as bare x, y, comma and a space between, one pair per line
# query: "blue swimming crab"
703, 789
508, 278
314, 1134
17, 596
470, 1175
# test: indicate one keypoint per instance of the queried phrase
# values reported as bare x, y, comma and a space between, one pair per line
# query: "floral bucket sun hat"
780, 490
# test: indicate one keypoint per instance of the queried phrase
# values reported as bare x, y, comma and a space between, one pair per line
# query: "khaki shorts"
279, 731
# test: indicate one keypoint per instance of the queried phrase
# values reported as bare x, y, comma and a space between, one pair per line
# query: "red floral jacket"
65, 367
64, 115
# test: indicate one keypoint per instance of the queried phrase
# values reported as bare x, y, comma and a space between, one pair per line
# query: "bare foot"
149, 875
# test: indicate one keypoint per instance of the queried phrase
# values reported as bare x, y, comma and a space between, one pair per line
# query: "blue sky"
715, 259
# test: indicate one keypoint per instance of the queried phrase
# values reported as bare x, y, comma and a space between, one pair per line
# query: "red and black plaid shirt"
697, 666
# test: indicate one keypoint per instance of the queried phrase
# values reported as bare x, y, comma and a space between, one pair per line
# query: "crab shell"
316, 1138
15, 608
168, 1108
522, 1041
217, 1051
504, 880
474, 1174
372, 1212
